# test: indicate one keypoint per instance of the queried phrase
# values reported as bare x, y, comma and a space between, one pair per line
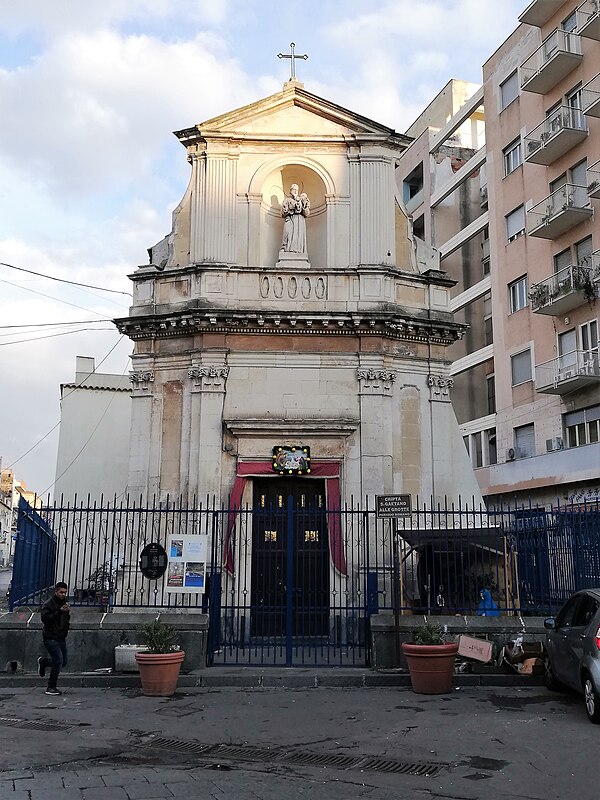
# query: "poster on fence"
187, 563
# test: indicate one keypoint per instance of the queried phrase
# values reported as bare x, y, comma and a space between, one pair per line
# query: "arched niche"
274, 187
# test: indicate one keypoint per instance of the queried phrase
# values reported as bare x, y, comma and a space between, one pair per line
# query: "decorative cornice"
302, 426
392, 325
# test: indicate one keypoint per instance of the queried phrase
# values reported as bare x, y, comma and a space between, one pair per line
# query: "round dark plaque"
153, 561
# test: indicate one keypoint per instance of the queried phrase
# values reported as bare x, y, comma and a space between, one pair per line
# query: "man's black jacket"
55, 621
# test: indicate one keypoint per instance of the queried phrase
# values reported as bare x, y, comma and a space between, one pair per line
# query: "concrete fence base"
93, 636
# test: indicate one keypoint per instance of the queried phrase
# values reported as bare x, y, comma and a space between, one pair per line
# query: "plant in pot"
161, 661
430, 658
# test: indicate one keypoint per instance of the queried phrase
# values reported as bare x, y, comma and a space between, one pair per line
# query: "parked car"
573, 649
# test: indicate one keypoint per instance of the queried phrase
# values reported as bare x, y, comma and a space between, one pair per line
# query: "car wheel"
592, 700
550, 679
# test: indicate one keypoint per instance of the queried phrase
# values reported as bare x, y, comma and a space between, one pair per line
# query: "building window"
413, 183
515, 223
583, 252
419, 227
524, 441
491, 394
490, 436
588, 336
487, 319
578, 174
509, 90
583, 426
562, 260
513, 157
518, 294
570, 24
485, 252
520, 366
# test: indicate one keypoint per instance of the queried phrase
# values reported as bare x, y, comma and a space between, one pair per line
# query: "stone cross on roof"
292, 56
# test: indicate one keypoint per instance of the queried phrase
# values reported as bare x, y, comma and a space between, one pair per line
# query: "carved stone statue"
294, 209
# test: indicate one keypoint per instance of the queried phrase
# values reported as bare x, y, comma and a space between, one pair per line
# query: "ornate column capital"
375, 381
440, 387
141, 380
208, 379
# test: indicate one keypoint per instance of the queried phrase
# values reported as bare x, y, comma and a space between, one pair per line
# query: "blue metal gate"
288, 586
34, 559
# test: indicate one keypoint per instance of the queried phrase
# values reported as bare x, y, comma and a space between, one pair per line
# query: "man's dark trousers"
58, 658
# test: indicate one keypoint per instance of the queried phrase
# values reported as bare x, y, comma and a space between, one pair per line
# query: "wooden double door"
290, 559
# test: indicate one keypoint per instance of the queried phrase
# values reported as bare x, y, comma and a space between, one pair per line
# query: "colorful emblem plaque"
291, 460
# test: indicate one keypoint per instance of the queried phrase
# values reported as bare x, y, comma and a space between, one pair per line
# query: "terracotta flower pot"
431, 666
159, 672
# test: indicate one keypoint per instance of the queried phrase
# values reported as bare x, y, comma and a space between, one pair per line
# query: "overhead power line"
53, 324
53, 335
45, 436
56, 299
64, 280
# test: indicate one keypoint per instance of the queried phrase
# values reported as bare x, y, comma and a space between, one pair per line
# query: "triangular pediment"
293, 113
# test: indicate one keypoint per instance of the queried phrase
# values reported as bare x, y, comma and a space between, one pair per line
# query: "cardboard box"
517, 653
532, 666
478, 649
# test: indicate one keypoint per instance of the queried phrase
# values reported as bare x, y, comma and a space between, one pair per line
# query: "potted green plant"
430, 658
161, 660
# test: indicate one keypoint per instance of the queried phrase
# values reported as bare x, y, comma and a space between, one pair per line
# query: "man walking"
55, 619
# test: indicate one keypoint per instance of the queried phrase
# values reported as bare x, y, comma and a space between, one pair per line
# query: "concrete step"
276, 677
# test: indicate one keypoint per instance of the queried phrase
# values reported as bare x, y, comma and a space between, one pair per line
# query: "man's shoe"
52, 691
41, 667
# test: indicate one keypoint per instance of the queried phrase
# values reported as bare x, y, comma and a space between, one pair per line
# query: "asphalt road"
92, 744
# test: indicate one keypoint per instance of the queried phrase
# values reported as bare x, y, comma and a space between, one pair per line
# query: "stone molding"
209, 379
302, 426
440, 387
375, 381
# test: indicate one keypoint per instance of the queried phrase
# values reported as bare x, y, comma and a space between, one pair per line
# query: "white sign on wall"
186, 571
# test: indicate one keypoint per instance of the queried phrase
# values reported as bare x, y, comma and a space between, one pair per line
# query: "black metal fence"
289, 584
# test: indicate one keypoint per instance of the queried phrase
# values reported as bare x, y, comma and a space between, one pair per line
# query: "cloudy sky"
90, 92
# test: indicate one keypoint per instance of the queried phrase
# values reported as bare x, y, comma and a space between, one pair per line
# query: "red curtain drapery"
331, 473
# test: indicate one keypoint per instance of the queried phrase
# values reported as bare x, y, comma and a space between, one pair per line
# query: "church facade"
290, 309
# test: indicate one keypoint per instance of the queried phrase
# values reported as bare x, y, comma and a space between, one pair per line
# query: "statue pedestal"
295, 260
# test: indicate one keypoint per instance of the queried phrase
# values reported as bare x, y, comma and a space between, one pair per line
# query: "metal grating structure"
301, 758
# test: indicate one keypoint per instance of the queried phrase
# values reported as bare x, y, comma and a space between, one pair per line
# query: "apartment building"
527, 386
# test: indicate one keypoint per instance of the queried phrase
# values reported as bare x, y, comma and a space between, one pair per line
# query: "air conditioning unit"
556, 443
511, 454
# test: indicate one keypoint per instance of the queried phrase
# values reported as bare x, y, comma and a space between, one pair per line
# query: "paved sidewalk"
259, 743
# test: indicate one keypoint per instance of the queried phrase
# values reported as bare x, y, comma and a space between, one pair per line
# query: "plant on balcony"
593, 185
539, 296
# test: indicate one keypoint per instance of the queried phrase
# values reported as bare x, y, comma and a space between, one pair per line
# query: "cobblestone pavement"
283, 744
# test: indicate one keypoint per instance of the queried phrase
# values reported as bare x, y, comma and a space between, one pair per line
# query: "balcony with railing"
558, 55
565, 208
596, 271
588, 19
590, 97
567, 289
593, 180
540, 11
557, 134
568, 373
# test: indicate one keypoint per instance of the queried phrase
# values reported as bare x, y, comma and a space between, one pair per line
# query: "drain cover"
299, 758
31, 724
